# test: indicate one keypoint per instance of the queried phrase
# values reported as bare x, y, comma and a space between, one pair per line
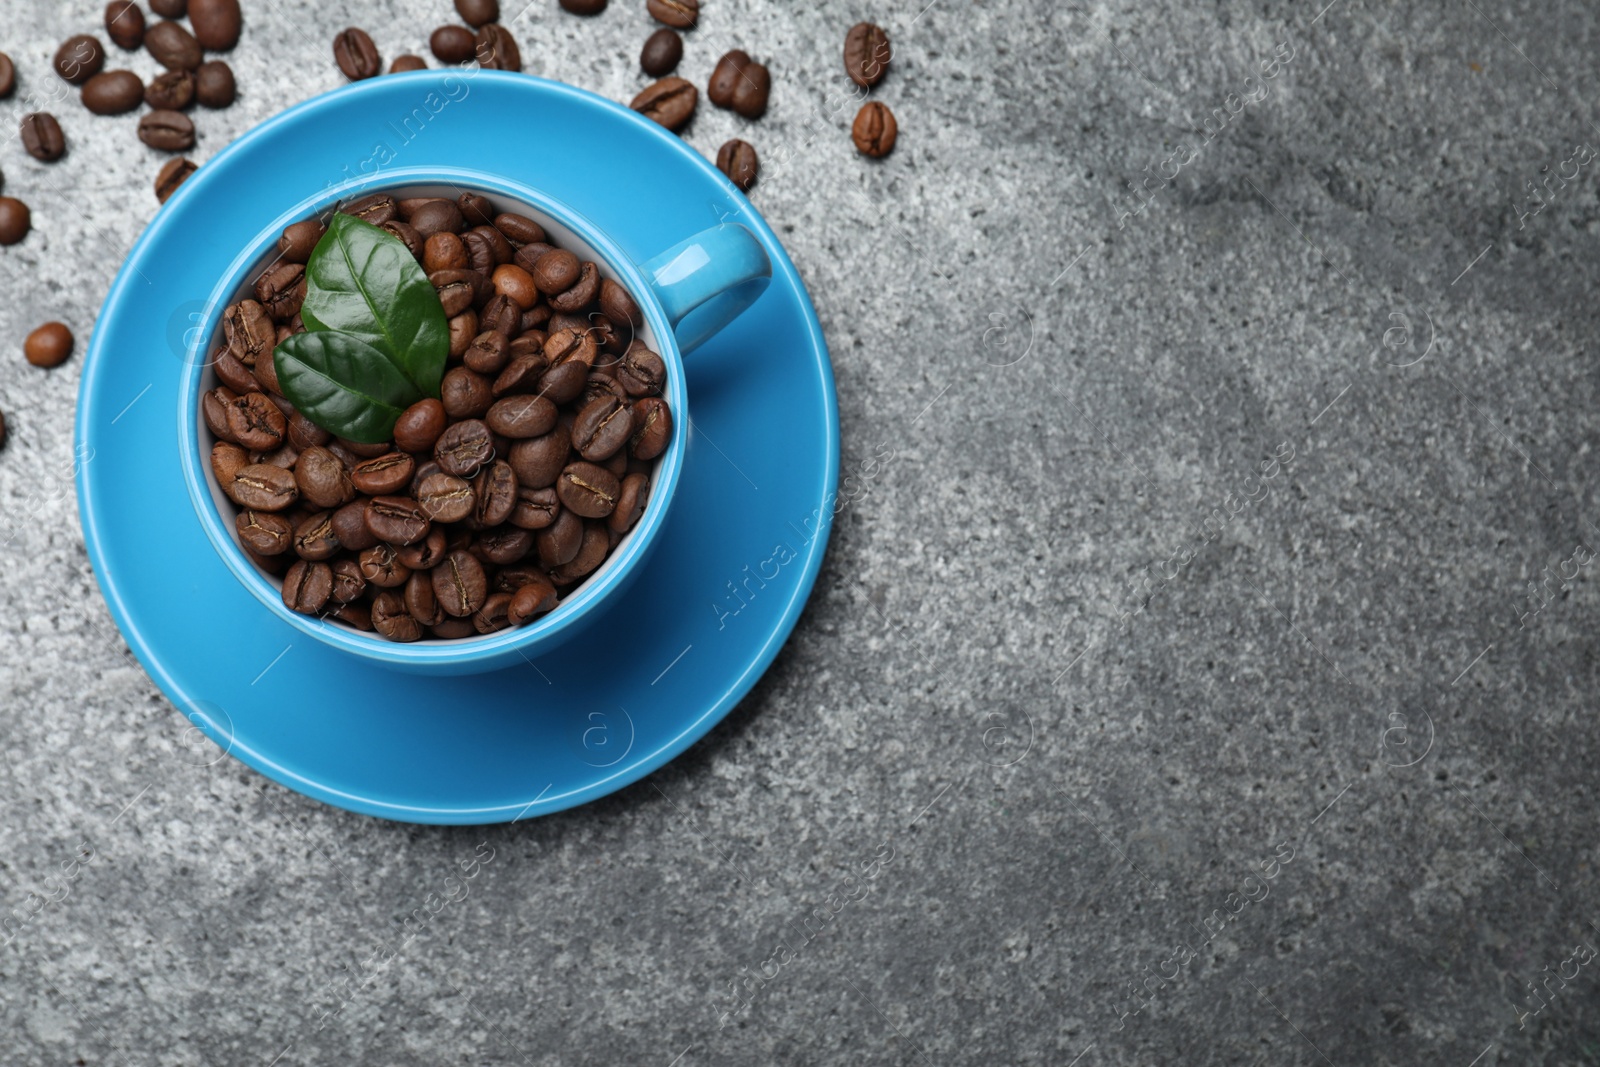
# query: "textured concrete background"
1315, 785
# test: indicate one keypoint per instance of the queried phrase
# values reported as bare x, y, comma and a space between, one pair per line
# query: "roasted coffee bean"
453, 629
80, 58
592, 549
445, 498
214, 86
642, 372
480, 253
652, 428
357, 615
308, 587
231, 372
452, 44
662, 52
348, 581
478, 12
264, 533
599, 385
588, 490
740, 83
631, 501
420, 600
535, 508
388, 473
559, 542
419, 426
426, 553
520, 417
398, 520
504, 545
173, 173
670, 102
377, 208
392, 619
528, 255
263, 487
125, 24
564, 382
227, 460
495, 614
48, 345
437, 216
324, 481
536, 598
538, 461
15, 220
381, 566
679, 14
875, 130
356, 55
556, 271
407, 236
603, 427
8, 76
465, 393
407, 63
570, 346
582, 293
314, 537
496, 49
463, 328
249, 331
364, 449
42, 137
494, 494
519, 229
216, 23
281, 289
619, 306
522, 373
350, 527
478, 209
304, 434
866, 54
284, 457
737, 159
173, 46
456, 295
512, 281
172, 90
345, 456
501, 315
170, 9
112, 92
169, 131
214, 406
257, 424
443, 251
489, 353
584, 7
299, 239
459, 584
499, 248
463, 448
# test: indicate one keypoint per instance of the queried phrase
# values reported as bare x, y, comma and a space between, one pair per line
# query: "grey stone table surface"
1207, 677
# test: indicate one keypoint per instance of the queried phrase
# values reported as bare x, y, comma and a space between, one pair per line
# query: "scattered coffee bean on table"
404, 64
478, 12
42, 137
170, 9
216, 23
2, 429
453, 44
737, 159
125, 24
49, 345
174, 172
8, 76
213, 84
173, 46
112, 92
584, 7
172, 90
496, 49
866, 54
356, 55
487, 507
662, 52
169, 131
740, 83
670, 102
15, 220
874, 130
679, 14
80, 58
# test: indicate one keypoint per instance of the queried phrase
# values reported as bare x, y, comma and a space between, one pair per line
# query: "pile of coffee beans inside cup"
492, 502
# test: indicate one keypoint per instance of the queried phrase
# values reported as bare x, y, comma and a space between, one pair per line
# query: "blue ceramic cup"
686, 294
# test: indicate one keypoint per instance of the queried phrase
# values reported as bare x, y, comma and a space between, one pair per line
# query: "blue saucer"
732, 570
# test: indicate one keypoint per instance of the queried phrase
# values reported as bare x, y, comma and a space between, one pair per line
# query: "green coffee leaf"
343, 384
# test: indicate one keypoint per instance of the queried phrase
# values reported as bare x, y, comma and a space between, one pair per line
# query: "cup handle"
708, 280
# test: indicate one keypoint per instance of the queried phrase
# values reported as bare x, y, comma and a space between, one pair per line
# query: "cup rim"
463, 652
